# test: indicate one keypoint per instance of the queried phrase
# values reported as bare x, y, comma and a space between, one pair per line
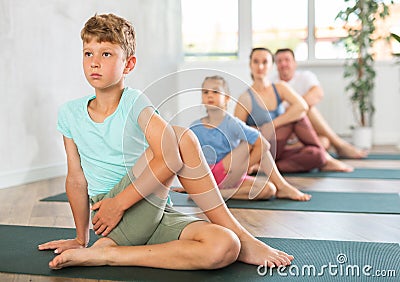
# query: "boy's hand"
107, 217
60, 246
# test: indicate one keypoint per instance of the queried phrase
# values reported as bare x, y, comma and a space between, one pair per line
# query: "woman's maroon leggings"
299, 159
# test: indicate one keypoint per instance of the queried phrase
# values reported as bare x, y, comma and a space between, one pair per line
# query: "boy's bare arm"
165, 162
76, 188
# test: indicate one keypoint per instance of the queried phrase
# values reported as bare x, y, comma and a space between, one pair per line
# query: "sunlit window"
328, 30
280, 24
210, 29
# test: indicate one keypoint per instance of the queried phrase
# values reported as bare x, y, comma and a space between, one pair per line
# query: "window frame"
245, 37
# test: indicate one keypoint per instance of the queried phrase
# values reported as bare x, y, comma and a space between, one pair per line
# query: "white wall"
41, 69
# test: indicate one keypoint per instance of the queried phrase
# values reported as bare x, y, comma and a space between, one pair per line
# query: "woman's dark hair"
261, 49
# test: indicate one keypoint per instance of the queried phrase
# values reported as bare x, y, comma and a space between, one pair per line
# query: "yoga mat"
364, 173
315, 260
320, 202
373, 157
383, 203
62, 197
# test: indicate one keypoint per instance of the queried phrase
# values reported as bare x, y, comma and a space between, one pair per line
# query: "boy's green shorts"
150, 221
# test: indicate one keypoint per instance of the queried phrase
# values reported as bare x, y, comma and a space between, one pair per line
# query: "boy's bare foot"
287, 191
348, 151
82, 257
336, 165
256, 252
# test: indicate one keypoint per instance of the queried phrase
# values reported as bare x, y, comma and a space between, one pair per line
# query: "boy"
118, 128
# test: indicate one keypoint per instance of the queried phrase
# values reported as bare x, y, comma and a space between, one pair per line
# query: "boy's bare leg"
202, 245
343, 148
197, 180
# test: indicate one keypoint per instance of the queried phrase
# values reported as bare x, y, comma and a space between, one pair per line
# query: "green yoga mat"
315, 260
375, 156
364, 173
383, 203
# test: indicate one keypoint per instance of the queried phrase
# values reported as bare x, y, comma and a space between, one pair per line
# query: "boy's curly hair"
110, 28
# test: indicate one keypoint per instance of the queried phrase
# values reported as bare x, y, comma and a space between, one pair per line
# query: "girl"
231, 147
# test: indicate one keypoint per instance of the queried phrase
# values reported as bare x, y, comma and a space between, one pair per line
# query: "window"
280, 24
210, 29
328, 30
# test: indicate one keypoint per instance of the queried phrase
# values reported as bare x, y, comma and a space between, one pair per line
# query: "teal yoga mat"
361, 173
315, 260
374, 156
320, 202
383, 203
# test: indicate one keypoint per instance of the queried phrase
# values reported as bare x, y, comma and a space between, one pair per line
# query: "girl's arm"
161, 166
297, 108
76, 188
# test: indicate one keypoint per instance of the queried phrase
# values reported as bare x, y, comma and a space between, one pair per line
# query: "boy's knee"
266, 192
185, 137
224, 248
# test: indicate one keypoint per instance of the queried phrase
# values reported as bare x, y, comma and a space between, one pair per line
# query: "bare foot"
82, 257
287, 191
256, 252
348, 151
336, 165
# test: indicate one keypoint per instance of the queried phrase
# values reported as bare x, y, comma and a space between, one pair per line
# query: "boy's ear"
130, 64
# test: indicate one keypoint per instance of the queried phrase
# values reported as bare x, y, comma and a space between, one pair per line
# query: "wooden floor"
21, 206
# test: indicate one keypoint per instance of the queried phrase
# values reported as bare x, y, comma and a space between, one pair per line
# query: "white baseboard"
23, 176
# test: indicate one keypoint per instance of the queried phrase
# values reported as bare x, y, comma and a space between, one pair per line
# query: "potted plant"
360, 23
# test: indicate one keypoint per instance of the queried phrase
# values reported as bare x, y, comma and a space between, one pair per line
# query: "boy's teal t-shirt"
108, 149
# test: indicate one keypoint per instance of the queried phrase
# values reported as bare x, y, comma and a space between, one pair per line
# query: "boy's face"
213, 94
105, 64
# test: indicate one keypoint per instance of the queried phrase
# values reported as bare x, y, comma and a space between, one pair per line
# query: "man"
307, 85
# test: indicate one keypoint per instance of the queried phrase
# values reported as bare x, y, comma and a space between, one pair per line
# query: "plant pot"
362, 137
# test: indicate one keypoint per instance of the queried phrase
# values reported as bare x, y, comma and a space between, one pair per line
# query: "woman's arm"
297, 108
